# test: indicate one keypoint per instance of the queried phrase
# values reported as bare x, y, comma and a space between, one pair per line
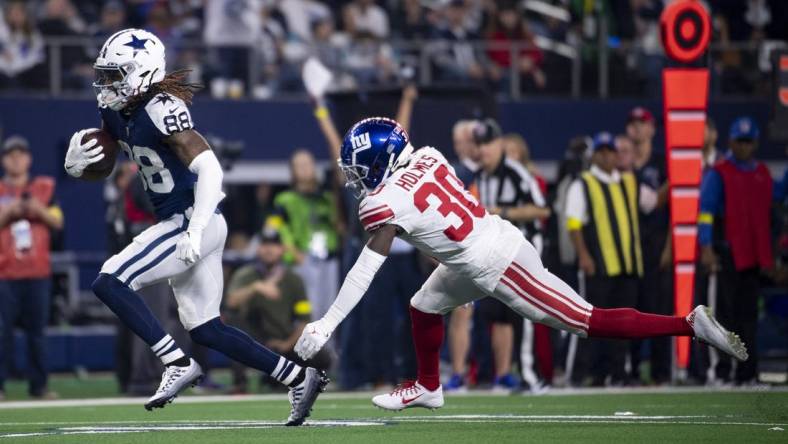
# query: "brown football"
103, 168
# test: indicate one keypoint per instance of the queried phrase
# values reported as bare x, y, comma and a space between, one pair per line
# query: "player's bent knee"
104, 285
422, 304
207, 333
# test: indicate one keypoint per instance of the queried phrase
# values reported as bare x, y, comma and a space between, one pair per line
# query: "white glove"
188, 247
313, 338
80, 155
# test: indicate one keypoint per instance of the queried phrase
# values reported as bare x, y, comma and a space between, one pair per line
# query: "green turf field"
609, 418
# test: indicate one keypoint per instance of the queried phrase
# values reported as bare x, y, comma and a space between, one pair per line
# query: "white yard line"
177, 426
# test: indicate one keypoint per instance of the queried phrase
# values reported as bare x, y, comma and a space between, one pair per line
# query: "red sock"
630, 323
427, 339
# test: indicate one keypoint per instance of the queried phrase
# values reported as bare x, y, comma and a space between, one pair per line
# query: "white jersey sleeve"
169, 114
385, 207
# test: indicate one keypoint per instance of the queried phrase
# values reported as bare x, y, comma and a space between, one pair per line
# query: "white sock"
167, 350
285, 371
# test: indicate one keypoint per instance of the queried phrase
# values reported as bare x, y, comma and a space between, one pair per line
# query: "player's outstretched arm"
193, 150
357, 281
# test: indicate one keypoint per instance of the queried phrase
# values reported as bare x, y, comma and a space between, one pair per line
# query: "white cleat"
410, 394
173, 381
709, 331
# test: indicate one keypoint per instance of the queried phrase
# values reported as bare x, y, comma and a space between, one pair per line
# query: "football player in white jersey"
414, 194
145, 111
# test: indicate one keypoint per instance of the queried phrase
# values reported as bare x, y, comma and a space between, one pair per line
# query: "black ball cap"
485, 131
270, 236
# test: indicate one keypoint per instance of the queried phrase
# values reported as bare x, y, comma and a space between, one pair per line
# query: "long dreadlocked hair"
174, 84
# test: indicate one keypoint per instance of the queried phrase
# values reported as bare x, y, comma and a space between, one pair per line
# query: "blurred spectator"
511, 29
370, 60
563, 254
516, 148
734, 233
411, 21
327, 48
656, 289
535, 346
611, 259
112, 20
232, 27
465, 167
467, 164
575, 161
270, 50
160, 21
61, 19
268, 300
710, 152
625, 153
21, 48
704, 365
307, 219
299, 16
508, 190
454, 52
27, 214
647, 41
364, 16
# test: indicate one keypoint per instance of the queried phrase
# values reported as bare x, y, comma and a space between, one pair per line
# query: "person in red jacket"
27, 214
510, 28
734, 230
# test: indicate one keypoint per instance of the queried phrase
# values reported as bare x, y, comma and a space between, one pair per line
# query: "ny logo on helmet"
361, 142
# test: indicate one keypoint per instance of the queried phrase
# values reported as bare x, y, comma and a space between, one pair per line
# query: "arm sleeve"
356, 284
208, 189
575, 206
710, 205
373, 214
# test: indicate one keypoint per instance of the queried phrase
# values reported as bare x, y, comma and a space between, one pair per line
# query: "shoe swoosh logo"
409, 400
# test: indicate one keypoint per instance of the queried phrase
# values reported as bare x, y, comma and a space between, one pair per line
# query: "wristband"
321, 112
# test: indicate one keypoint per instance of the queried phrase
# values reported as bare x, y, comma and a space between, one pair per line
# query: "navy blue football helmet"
371, 150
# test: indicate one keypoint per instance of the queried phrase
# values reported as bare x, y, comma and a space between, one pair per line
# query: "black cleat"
303, 396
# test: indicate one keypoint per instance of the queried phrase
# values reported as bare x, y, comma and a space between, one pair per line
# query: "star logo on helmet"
137, 44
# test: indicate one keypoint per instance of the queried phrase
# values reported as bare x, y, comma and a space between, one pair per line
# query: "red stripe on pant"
562, 297
543, 300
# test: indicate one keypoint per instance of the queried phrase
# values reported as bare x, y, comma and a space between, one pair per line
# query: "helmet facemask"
112, 86
354, 178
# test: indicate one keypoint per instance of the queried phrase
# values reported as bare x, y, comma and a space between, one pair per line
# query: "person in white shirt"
366, 16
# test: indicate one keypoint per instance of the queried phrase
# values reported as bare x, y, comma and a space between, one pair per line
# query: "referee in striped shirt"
507, 189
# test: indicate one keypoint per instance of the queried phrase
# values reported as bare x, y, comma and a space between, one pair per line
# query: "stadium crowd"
256, 47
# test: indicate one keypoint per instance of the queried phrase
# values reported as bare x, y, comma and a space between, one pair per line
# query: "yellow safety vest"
613, 231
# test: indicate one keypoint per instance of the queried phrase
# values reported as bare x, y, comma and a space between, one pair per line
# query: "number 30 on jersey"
448, 185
